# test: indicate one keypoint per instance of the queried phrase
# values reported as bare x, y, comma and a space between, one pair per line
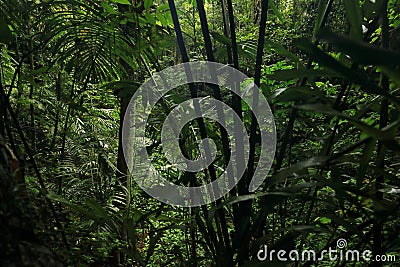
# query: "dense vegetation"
330, 70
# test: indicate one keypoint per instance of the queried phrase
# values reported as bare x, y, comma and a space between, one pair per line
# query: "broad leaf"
362, 52
276, 10
148, 4
122, 2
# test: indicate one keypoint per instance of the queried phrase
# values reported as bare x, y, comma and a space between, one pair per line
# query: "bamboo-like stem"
221, 117
226, 30
381, 150
244, 253
200, 121
260, 224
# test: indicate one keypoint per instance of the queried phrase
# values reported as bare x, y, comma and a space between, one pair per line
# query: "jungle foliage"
330, 70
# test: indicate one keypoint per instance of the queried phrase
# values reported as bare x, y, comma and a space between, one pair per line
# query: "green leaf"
148, 4
162, 19
288, 171
245, 49
108, 8
362, 52
284, 75
323, 220
237, 199
76, 106
123, 88
40, 71
371, 131
90, 214
163, 7
392, 73
150, 18
168, 16
326, 60
298, 93
276, 11
122, 2
278, 48
124, 21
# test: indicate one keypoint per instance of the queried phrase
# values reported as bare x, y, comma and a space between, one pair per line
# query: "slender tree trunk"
31, 107
57, 118
378, 223
122, 168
